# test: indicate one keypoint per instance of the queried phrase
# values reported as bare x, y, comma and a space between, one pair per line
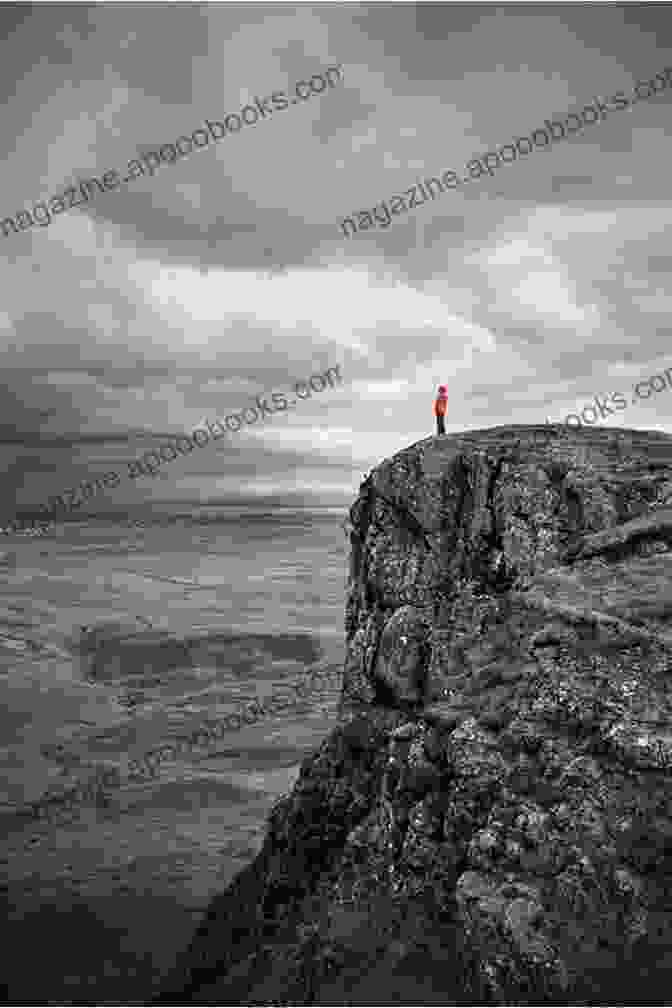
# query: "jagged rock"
405, 731
509, 841
358, 686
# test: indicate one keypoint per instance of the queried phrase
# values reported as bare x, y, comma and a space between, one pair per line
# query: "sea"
116, 637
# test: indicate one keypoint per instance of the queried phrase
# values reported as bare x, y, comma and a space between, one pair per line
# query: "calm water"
115, 639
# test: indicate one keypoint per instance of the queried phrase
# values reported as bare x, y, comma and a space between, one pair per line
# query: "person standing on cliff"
440, 407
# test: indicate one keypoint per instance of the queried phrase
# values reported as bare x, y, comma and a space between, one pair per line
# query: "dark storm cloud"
110, 376
659, 264
42, 438
568, 183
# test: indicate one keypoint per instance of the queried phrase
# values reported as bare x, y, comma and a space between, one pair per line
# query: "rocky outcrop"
491, 821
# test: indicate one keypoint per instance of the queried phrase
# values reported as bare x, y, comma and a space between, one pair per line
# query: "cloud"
225, 275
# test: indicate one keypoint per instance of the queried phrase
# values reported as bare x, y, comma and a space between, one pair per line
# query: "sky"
226, 275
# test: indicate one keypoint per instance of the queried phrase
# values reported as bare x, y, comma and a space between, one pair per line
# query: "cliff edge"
491, 820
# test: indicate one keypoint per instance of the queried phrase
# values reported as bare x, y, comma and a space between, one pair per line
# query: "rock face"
491, 821
401, 664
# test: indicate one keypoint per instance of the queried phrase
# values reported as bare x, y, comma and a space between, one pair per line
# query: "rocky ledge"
491, 820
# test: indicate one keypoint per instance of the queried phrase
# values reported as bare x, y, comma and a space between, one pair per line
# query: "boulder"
401, 665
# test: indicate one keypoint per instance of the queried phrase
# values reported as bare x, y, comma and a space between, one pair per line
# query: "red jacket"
440, 406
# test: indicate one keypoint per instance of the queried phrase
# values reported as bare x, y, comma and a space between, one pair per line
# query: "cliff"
491, 821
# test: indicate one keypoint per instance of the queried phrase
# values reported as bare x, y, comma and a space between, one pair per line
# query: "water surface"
116, 638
